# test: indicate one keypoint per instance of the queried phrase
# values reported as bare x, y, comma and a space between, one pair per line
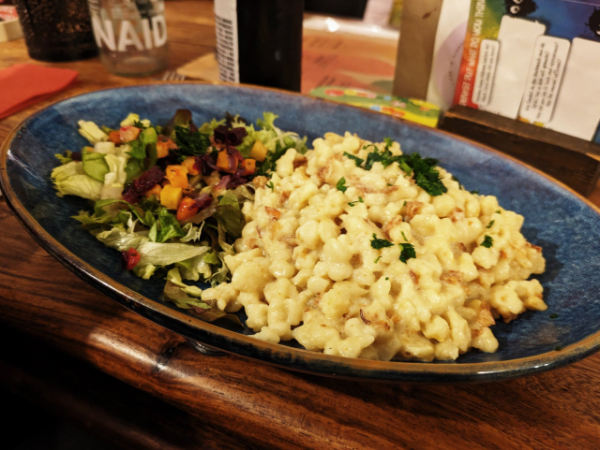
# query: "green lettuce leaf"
184, 297
174, 277
192, 233
211, 258
221, 274
91, 132
169, 227
70, 179
132, 169
137, 150
116, 166
155, 253
268, 121
231, 219
90, 222
229, 198
64, 157
130, 120
145, 272
183, 300
209, 127
276, 141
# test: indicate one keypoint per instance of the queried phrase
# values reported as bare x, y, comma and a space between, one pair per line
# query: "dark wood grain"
573, 161
250, 404
112, 410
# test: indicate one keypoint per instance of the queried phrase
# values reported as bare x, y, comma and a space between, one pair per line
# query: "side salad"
169, 197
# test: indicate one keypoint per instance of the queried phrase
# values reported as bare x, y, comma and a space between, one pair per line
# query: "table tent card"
537, 61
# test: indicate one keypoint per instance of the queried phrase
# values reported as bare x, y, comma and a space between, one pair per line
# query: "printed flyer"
537, 61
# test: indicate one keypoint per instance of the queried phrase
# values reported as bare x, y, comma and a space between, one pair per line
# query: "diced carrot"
249, 166
154, 191
177, 175
187, 209
190, 164
162, 149
129, 133
170, 196
224, 162
259, 151
115, 137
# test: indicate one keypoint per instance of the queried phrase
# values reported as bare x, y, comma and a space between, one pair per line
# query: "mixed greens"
169, 198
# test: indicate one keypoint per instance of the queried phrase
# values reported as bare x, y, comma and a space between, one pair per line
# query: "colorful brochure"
537, 61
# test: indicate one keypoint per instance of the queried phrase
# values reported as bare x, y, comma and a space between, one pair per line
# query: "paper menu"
486, 69
577, 110
517, 39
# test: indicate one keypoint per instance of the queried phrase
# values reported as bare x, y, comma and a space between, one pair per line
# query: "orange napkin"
22, 85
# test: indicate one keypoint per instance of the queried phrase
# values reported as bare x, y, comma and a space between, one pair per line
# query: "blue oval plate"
563, 223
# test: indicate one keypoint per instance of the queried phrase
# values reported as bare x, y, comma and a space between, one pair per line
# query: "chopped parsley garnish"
408, 251
558, 348
341, 185
358, 161
491, 224
404, 204
404, 236
499, 212
377, 259
425, 174
190, 144
385, 158
476, 192
387, 278
487, 241
553, 316
270, 185
360, 200
378, 244
423, 169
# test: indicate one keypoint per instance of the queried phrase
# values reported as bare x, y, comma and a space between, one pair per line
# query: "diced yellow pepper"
171, 196
156, 190
177, 175
259, 151
190, 164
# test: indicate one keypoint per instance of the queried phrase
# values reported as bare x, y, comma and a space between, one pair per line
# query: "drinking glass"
131, 35
57, 30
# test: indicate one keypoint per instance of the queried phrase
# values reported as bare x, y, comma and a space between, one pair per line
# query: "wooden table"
76, 352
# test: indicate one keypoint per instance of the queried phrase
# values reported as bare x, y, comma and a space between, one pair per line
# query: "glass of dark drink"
57, 31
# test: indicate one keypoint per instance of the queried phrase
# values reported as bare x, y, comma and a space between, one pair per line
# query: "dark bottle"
260, 42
